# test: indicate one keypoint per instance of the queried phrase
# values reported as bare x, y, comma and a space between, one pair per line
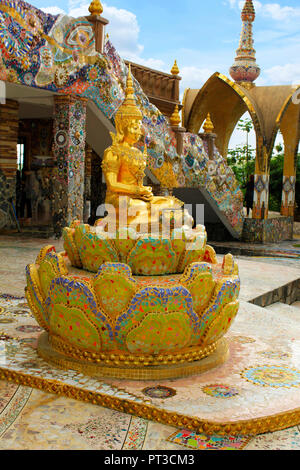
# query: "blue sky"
202, 35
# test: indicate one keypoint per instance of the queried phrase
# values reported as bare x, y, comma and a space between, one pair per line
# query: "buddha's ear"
120, 126
114, 137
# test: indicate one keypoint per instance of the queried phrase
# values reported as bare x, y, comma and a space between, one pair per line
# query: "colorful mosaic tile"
220, 391
5, 337
136, 434
196, 441
107, 432
6, 320
243, 339
29, 328
11, 297
13, 400
288, 439
272, 376
159, 392
276, 355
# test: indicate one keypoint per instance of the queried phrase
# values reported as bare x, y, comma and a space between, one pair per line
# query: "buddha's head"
128, 119
131, 130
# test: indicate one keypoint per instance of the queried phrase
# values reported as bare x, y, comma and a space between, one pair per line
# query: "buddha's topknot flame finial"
129, 86
129, 108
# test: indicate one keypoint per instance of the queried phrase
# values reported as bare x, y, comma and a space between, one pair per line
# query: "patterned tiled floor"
32, 419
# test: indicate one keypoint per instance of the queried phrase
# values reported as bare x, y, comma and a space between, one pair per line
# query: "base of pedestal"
170, 371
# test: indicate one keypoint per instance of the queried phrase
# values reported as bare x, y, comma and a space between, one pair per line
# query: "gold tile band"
133, 370
121, 358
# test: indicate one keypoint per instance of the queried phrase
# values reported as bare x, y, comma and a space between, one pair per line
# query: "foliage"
242, 158
242, 161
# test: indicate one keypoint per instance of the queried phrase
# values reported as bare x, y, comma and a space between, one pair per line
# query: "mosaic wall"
268, 230
8, 162
7, 194
57, 53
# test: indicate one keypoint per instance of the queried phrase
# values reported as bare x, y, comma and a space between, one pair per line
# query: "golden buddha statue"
124, 170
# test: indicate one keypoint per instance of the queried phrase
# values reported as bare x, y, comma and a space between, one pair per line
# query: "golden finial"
208, 125
129, 108
175, 69
175, 118
96, 8
129, 88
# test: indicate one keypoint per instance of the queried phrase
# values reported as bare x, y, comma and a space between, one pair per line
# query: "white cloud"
123, 30
53, 10
194, 77
155, 64
284, 74
279, 13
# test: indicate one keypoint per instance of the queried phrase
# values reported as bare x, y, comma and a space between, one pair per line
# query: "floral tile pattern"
195, 441
289, 439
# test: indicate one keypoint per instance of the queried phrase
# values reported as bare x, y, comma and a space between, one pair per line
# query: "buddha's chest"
132, 167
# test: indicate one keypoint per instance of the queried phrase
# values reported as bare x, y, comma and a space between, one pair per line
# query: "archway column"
69, 155
290, 132
288, 193
261, 187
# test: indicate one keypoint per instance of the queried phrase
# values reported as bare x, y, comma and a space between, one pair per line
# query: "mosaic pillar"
87, 183
69, 156
99, 23
261, 196
179, 133
9, 131
209, 141
288, 196
290, 131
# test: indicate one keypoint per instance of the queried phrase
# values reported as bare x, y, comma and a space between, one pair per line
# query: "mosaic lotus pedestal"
141, 308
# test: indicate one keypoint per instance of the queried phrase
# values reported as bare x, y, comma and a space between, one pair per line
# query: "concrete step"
281, 308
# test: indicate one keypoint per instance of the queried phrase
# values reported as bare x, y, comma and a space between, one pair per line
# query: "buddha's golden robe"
124, 171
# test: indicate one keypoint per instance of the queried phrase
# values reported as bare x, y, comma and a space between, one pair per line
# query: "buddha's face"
133, 130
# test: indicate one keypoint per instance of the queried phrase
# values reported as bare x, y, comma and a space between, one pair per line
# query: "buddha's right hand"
145, 193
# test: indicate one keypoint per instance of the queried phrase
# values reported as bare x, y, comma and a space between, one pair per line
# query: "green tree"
275, 189
242, 161
242, 158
